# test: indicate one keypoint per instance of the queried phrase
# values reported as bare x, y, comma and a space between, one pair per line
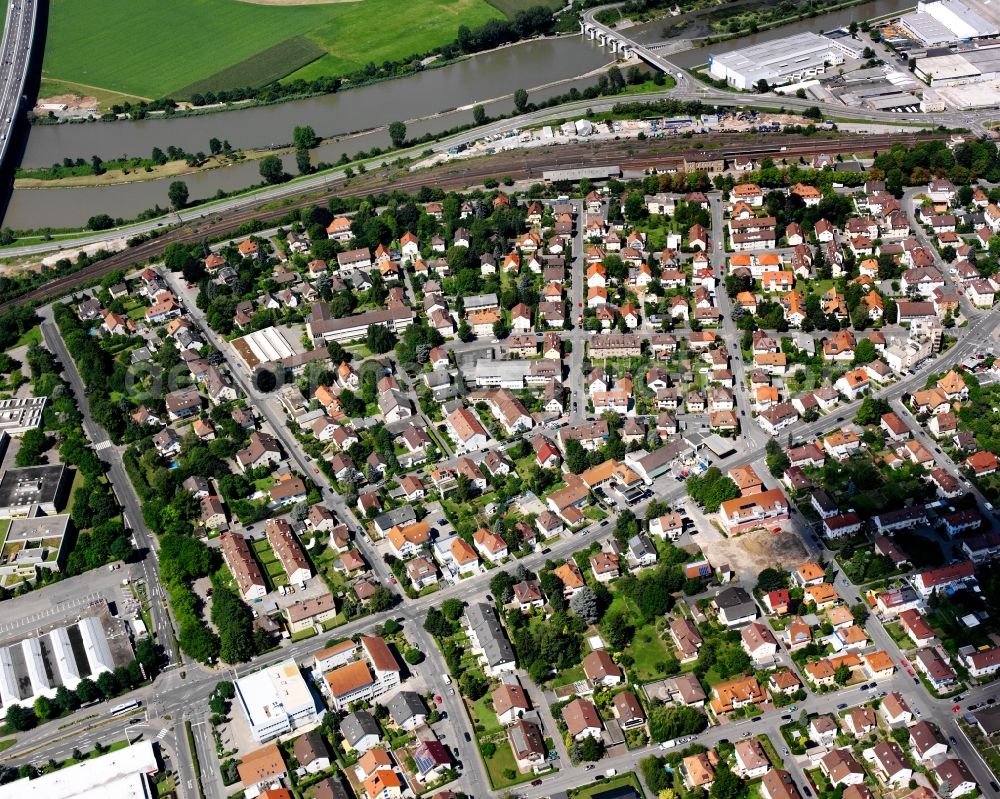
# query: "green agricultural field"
150, 48
511, 7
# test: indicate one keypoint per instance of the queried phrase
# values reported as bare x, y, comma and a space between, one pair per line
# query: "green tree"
304, 138
617, 628
397, 133
382, 599
108, 684
453, 609
379, 339
214, 146
864, 352
771, 580
777, 460
21, 718
177, 193
44, 709
590, 749
272, 170
100, 222
726, 784
667, 722
479, 115
436, 624
520, 100
474, 685
842, 674
576, 456
302, 162
871, 411
88, 691
33, 445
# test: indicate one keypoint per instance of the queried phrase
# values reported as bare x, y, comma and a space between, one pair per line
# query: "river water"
335, 117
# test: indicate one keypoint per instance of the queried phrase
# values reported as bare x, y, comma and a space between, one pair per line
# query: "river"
334, 117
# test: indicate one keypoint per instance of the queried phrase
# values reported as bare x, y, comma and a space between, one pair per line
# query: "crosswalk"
102, 445
163, 733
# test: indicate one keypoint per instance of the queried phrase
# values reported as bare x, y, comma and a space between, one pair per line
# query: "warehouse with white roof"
779, 61
40, 665
944, 21
123, 774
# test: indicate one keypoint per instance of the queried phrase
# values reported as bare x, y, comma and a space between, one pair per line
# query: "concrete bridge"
625, 47
617, 44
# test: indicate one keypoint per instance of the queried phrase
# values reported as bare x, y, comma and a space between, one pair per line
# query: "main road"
127, 497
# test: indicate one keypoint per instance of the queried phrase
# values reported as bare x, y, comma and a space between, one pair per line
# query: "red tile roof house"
943, 577
982, 463
601, 669
983, 663
916, 627
582, 719
745, 513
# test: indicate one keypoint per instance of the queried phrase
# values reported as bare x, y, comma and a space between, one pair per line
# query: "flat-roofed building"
322, 325
787, 60
122, 774
20, 414
276, 700
41, 486
32, 543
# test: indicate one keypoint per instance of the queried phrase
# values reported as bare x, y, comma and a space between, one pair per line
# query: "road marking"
163, 734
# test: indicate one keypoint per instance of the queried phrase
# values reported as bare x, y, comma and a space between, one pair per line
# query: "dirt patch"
768, 549
67, 104
750, 553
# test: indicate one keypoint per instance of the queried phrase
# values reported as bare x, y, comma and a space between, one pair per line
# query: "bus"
125, 707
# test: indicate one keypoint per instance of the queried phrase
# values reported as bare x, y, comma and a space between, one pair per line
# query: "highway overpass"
15, 54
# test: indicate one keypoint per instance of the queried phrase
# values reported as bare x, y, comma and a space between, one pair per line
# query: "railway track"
520, 165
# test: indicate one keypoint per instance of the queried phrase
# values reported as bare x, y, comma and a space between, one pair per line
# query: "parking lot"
52, 603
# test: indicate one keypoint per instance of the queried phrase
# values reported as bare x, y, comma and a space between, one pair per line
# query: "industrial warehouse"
792, 59
40, 665
947, 21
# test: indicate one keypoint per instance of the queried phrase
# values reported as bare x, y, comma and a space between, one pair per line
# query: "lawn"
148, 48
503, 760
33, 336
7, 743
649, 652
483, 715
270, 563
647, 648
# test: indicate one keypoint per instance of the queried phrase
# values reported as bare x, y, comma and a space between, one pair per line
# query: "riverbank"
172, 169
